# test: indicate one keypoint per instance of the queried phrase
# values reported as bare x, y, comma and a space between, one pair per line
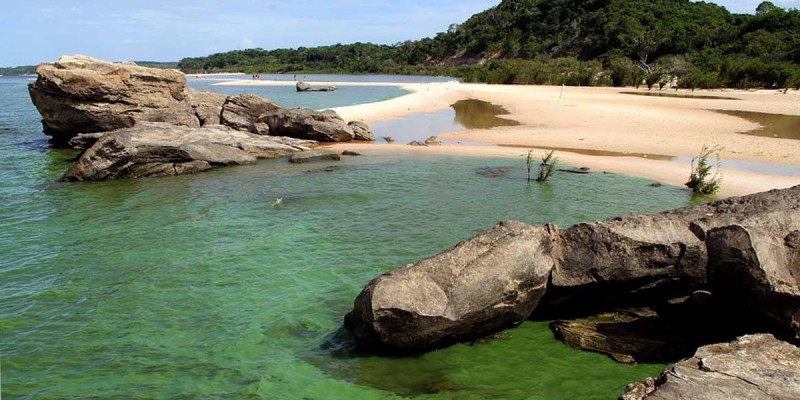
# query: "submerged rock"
752, 367
314, 155
634, 260
303, 123
493, 172
161, 149
85, 94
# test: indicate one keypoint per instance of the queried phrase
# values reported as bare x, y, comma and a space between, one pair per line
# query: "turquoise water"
201, 287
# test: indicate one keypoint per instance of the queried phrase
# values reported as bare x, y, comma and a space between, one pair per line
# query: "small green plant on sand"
706, 177
548, 166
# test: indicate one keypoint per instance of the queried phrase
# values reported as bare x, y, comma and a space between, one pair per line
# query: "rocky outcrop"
630, 261
361, 131
303, 123
84, 94
161, 149
305, 87
207, 106
753, 367
480, 286
242, 113
314, 155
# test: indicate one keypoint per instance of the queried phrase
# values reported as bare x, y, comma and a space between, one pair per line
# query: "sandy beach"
582, 122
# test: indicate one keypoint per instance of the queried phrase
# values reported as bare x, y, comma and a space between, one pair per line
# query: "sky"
153, 30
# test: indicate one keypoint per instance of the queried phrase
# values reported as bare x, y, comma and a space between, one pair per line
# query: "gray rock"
432, 141
417, 143
161, 149
302, 86
752, 367
207, 106
314, 155
388, 139
480, 286
84, 94
303, 123
361, 131
242, 113
639, 259
350, 153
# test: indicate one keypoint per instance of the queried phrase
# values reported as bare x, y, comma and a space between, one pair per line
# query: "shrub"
706, 178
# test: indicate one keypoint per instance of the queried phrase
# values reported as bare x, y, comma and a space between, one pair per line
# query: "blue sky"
39, 31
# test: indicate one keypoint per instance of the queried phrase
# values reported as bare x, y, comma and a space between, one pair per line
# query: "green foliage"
23, 70
529, 163
705, 178
572, 42
548, 166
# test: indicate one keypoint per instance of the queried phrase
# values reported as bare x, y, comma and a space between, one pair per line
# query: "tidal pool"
779, 126
463, 114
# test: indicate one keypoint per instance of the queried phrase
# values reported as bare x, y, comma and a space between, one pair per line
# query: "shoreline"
598, 119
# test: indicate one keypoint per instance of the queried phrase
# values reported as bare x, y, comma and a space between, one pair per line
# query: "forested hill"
31, 69
579, 42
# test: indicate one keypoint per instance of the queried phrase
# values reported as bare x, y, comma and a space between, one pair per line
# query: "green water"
201, 287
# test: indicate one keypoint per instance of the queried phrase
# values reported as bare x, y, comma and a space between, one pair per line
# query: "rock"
314, 155
303, 123
478, 287
432, 141
161, 149
242, 113
361, 131
755, 265
752, 367
84, 94
305, 87
350, 153
302, 86
575, 171
656, 184
207, 106
388, 139
622, 262
493, 172
417, 143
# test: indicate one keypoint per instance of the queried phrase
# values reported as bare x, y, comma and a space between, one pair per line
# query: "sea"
232, 284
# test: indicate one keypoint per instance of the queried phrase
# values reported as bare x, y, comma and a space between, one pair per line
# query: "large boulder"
303, 123
84, 94
638, 260
242, 113
161, 149
752, 367
207, 106
754, 265
361, 131
482, 285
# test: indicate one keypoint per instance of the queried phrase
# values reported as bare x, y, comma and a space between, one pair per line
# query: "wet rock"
575, 171
752, 367
325, 170
417, 143
388, 139
350, 153
314, 155
242, 113
478, 287
656, 184
83, 94
361, 131
303, 123
161, 149
493, 172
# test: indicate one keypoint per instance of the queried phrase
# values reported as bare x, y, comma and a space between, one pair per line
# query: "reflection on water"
464, 114
772, 125
477, 114
681, 95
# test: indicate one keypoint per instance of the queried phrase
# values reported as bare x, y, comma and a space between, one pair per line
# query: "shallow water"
464, 114
772, 125
200, 286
